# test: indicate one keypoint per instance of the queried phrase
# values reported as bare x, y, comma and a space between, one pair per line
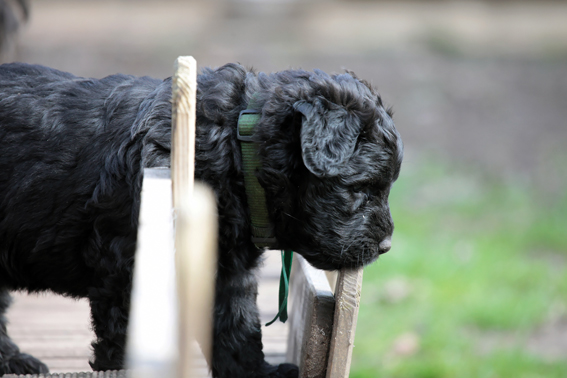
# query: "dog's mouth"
351, 255
367, 251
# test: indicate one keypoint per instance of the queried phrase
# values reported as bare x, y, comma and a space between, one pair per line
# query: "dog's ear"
328, 136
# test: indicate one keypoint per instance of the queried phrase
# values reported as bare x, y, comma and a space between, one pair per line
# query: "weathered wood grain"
184, 89
347, 297
196, 258
311, 319
90, 374
152, 334
57, 329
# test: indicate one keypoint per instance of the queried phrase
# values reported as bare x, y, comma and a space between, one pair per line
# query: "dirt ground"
479, 82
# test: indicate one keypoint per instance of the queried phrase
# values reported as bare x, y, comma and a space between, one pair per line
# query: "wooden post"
195, 228
322, 326
152, 335
183, 117
347, 302
196, 244
311, 319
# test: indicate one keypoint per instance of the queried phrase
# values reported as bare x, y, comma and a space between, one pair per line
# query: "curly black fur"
72, 153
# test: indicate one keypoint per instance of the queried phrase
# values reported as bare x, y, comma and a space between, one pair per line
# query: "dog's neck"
262, 229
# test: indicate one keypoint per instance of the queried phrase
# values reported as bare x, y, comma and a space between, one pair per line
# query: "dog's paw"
281, 371
22, 363
287, 371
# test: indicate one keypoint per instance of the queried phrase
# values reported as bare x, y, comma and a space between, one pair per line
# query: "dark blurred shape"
258, 8
13, 13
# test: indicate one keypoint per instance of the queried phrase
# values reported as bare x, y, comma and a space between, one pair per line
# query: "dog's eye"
362, 191
359, 188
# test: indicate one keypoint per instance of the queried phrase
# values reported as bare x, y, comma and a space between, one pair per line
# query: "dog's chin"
335, 260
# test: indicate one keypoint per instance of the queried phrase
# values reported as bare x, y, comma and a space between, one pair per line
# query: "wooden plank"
274, 336
183, 118
196, 227
152, 336
90, 374
332, 277
311, 319
347, 296
53, 328
44, 321
196, 258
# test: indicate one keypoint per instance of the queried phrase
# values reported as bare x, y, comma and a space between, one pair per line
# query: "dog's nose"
385, 245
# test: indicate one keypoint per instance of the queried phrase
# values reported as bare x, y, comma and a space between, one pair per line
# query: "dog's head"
330, 154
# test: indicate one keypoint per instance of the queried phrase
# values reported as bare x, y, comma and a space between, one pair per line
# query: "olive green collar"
262, 228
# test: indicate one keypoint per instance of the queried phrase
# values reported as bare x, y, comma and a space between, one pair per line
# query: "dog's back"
58, 173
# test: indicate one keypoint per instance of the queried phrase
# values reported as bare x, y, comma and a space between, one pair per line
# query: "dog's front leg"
109, 312
237, 346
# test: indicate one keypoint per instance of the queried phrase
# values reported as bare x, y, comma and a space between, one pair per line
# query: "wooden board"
347, 297
322, 325
196, 259
152, 333
311, 319
183, 118
57, 329
53, 328
89, 374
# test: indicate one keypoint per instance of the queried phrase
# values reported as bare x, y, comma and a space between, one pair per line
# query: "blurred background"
476, 282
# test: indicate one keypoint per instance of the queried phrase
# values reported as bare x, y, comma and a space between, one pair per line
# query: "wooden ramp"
57, 329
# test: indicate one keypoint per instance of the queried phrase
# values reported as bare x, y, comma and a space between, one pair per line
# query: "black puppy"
72, 153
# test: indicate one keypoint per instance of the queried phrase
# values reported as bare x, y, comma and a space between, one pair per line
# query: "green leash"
287, 257
262, 229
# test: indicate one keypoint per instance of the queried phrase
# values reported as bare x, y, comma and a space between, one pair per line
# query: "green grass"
476, 266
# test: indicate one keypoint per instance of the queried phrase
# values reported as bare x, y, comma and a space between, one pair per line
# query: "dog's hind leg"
11, 360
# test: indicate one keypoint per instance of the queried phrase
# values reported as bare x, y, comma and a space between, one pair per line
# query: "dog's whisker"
291, 216
344, 248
